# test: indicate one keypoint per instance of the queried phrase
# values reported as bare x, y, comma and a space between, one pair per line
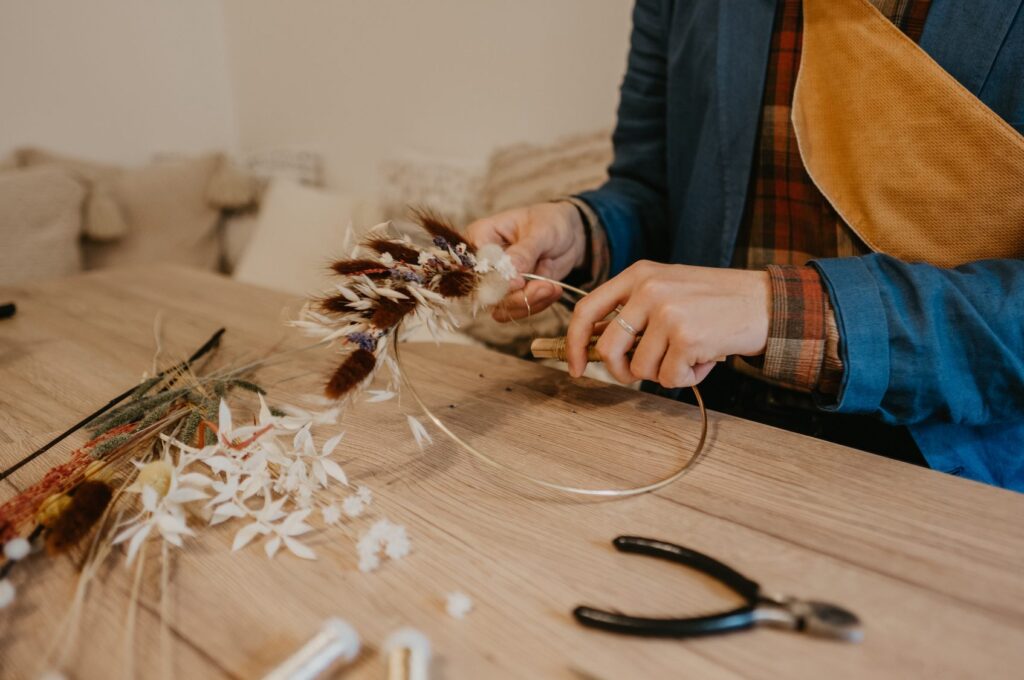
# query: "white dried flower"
355, 505
419, 432
384, 536
458, 604
17, 549
331, 514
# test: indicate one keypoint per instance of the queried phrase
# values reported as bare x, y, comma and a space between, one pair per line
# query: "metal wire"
689, 462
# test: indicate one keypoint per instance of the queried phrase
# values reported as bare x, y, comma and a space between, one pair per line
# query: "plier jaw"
820, 619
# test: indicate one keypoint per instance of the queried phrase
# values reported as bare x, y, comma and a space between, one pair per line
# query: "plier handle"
806, 616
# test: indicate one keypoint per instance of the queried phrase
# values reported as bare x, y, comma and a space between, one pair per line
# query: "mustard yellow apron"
917, 166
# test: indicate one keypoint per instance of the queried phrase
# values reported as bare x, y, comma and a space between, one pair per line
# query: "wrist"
578, 225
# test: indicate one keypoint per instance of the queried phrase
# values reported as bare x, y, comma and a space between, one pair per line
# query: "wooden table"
934, 565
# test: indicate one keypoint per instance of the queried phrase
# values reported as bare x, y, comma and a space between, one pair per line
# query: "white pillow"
40, 225
299, 232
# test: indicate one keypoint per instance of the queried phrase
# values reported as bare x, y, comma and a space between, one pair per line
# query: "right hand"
547, 239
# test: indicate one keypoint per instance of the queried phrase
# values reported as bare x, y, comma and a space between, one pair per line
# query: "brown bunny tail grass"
351, 373
90, 499
396, 249
456, 284
439, 227
389, 312
354, 267
335, 304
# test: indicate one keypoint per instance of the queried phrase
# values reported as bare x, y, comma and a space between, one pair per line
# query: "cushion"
298, 233
40, 222
102, 216
526, 173
169, 218
9, 162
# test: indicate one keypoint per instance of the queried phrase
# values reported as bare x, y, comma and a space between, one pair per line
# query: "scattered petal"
419, 432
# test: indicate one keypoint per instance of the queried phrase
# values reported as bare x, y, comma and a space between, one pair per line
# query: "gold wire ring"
607, 493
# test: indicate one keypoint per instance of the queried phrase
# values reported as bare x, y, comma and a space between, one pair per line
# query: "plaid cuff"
832, 366
803, 339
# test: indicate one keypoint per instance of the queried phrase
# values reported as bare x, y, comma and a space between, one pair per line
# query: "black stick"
210, 344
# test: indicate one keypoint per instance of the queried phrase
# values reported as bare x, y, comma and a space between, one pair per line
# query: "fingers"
701, 371
590, 310
648, 354
534, 297
616, 342
524, 255
676, 370
484, 231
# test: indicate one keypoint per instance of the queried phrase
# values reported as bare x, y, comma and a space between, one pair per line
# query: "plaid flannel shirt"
788, 221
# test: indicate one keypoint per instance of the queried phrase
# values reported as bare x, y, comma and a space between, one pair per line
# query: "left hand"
689, 316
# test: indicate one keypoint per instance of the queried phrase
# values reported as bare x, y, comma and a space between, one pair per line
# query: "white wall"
369, 80
361, 81
114, 80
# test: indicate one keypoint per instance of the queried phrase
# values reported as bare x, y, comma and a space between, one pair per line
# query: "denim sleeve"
923, 344
632, 204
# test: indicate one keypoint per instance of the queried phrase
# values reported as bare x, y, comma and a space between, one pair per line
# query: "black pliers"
806, 616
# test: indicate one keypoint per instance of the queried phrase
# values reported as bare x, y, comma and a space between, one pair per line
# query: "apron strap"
916, 165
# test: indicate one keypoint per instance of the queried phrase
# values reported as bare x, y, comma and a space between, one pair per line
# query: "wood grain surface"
933, 564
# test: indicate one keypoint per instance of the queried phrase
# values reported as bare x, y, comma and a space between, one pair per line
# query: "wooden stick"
554, 348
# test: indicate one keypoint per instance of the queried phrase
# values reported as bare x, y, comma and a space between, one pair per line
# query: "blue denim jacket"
939, 350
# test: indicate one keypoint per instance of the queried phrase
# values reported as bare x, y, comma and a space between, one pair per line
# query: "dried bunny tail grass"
396, 249
439, 227
456, 283
355, 267
356, 368
87, 505
335, 304
390, 311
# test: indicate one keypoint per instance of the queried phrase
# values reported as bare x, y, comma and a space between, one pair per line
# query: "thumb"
524, 255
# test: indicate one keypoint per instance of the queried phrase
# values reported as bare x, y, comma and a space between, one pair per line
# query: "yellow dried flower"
51, 508
156, 474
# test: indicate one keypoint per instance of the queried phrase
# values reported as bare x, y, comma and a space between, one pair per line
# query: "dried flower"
384, 536
458, 604
390, 281
331, 514
17, 549
355, 505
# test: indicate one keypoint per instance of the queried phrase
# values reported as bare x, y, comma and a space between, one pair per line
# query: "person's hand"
689, 316
546, 239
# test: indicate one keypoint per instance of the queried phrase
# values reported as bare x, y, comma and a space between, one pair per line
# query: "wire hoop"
689, 462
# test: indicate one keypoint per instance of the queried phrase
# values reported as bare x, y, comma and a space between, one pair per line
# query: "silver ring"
625, 325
